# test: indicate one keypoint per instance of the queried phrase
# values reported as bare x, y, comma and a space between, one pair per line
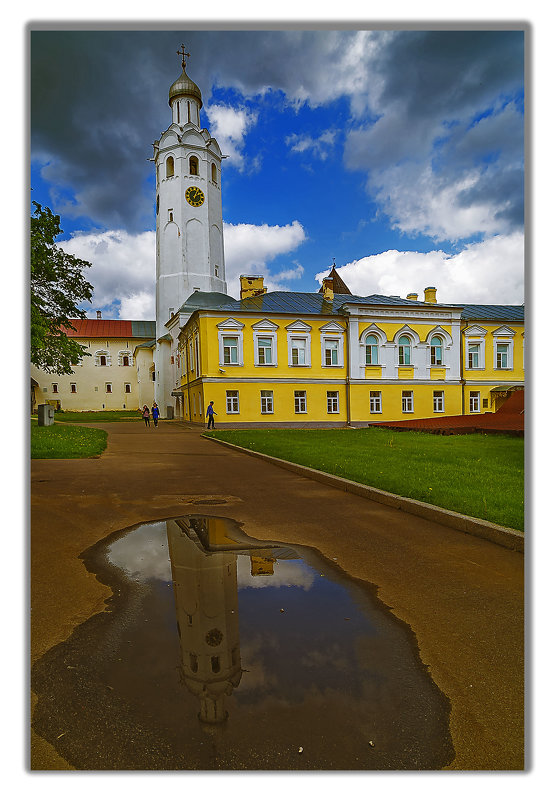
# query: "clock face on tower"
194, 196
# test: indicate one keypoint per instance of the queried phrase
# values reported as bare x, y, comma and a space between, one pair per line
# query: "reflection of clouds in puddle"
334, 656
255, 674
143, 553
286, 573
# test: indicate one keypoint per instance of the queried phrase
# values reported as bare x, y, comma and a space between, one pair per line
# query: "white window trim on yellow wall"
503, 336
268, 396
332, 332
299, 331
438, 401
474, 400
407, 401
230, 328
299, 396
446, 345
475, 335
332, 401
380, 335
265, 329
231, 400
375, 401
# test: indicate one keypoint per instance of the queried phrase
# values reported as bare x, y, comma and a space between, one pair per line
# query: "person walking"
210, 414
146, 416
155, 414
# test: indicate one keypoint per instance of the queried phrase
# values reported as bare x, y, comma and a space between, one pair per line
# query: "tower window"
214, 173
170, 215
193, 165
169, 167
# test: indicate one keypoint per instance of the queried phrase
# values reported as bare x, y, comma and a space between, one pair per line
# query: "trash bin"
45, 414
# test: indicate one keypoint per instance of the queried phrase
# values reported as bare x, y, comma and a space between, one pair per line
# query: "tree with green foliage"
57, 287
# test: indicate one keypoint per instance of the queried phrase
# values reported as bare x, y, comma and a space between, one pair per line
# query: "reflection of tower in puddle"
205, 586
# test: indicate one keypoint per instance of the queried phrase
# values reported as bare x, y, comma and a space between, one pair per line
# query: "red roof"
100, 328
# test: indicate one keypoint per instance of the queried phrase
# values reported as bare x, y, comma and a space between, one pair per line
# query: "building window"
73, 388
407, 401
475, 401
439, 400
486, 402
404, 350
232, 401
331, 352
197, 358
371, 349
436, 351
231, 350
216, 270
126, 361
214, 173
170, 215
153, 375
375, 402
128, 388
473, 356
502, 356
55, 389
103, 361
264, 346
169, 167
267, 401
193, 165
298, 352
108, 388
333, 402
300, 402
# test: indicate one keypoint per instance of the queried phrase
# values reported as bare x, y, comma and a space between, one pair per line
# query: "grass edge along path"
479, 475
66, 441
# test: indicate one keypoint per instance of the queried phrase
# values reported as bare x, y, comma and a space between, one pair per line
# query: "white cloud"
123, 269
483, 272
320, 147
248, 249
229, 125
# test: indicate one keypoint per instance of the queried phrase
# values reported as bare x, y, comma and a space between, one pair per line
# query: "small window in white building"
216, 270
371, 349
332, 402
502, 356
267, 401
169, 167
73, 388
436, 351
231, 350
474, 405
375, 402
55, 389
214, 173
153, 375
404, 350
128, 388
300, 401
331, 352
193, 165
264, 345
298, 351
473, 356
232, 401
407, 405
102, 361
439, 400
108, 388
170, 215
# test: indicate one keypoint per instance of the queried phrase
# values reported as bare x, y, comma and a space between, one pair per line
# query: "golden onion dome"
184, 86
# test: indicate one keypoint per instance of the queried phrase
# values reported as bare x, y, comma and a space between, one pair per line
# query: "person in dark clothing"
146, 416
210, 414
155, 414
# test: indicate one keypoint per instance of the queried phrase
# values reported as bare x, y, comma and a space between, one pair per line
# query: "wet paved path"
462, 597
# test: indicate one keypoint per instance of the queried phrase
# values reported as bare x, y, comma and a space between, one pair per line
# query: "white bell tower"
189, 227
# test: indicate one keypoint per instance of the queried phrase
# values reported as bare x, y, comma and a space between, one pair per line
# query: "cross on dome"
182, 53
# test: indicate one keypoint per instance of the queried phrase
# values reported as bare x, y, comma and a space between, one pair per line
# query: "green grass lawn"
481, 475
66, 442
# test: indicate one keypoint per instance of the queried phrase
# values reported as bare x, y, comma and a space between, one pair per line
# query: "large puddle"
222, 652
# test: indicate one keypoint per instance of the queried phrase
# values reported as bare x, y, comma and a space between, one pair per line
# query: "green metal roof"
143, 328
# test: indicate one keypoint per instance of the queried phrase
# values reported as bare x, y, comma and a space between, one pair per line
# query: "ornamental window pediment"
231, 323
265, 325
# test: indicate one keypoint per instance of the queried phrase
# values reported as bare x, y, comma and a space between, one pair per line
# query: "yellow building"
300, 359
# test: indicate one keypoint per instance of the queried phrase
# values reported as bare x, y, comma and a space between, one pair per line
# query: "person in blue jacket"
210, 414
155, 414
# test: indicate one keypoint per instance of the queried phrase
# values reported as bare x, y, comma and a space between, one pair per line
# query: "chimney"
327, 286
412, 296
98, 315
430, 294
252, 285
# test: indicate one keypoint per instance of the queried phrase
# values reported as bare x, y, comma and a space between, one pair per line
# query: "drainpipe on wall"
463, 382
187, 379
348, 380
